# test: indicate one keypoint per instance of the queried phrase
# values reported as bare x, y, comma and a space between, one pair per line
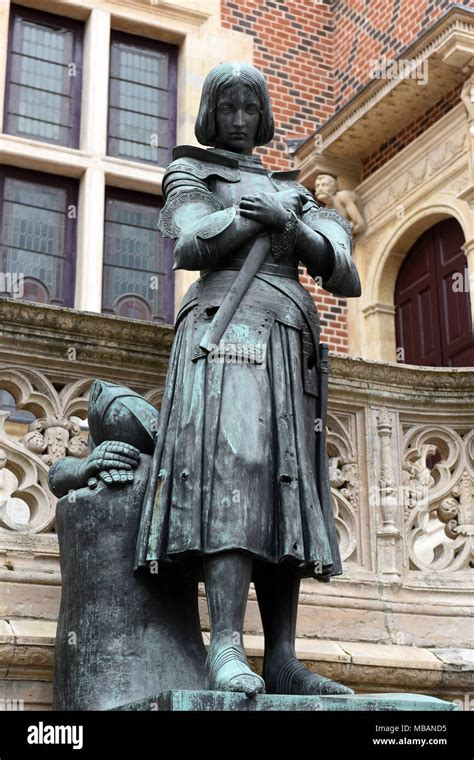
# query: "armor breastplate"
252, 182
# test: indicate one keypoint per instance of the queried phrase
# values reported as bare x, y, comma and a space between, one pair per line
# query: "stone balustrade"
401, 452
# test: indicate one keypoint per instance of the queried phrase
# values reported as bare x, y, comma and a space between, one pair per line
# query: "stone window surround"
166, 312
202, 44
65, 295
115, 111
429, 180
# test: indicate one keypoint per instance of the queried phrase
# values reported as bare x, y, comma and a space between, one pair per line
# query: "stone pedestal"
119, 635
207, 701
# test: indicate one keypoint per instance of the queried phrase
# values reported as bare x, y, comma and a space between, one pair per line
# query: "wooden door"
433, 314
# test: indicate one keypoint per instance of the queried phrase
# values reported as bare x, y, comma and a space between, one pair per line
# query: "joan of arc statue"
235, 479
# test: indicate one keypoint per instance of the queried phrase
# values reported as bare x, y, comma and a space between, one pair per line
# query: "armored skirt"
235, 461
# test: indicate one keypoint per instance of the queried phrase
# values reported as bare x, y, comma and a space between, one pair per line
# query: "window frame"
75, 95
151, 44
70, 231
156, 202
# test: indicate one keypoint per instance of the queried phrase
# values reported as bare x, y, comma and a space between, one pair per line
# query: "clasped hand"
112, 462
271, 209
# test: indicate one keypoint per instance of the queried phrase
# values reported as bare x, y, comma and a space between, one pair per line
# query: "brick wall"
367, 31
292, 47
316, 56
333, 314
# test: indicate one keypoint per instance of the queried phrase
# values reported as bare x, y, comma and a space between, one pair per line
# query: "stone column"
90, 242
95, 84
378, 337
388, 534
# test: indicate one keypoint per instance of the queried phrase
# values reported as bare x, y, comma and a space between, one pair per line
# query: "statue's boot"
227, 669
294, 678
277, 589
227, 578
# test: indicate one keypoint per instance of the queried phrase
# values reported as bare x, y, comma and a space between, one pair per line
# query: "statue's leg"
227, 578
277, 590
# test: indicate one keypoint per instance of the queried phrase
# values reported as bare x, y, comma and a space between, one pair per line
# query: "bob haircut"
220, 77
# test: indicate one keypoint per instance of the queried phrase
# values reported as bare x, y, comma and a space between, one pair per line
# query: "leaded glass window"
142, 99
37, 237
44, 77
138, 275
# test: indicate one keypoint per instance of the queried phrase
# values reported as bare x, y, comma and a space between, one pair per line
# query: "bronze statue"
238, 482
234, 478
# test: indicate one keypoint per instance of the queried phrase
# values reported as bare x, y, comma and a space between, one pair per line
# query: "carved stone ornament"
439, 498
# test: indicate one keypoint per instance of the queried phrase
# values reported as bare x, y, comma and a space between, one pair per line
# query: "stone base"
196, 701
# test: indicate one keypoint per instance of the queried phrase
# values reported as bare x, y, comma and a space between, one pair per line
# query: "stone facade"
400, 437
311, 79
405, 526
414, 182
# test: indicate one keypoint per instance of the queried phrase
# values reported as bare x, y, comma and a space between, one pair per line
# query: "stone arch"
379, 310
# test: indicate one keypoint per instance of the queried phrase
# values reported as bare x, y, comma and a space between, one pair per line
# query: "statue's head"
235, 112
325, 187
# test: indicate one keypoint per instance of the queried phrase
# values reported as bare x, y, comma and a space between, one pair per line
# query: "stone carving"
346, 202
467, 97
387, 499
345, 485
27, 483
50, 437
55, 437
421, 170
356, 387
439, 498
460, 184
456, 510
417, 478
344, 477
387, 484
345, 493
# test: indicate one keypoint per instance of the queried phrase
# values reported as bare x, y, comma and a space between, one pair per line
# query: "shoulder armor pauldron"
166, 223
317, 214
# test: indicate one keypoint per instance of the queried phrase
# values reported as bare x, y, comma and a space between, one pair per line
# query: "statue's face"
325, 186
238, 114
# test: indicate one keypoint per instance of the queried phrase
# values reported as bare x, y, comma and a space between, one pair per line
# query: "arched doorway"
432, 309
